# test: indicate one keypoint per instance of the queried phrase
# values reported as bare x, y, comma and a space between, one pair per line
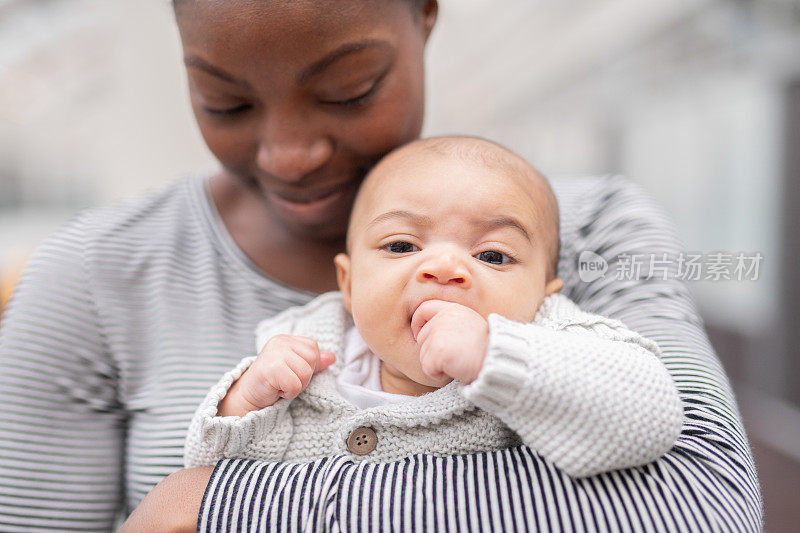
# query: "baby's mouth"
417, 327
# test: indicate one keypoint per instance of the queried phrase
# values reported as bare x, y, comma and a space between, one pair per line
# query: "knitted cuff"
588, 404
506, 367
229, 436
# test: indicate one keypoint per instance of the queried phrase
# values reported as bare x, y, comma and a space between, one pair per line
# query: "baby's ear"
553, 286
342, 262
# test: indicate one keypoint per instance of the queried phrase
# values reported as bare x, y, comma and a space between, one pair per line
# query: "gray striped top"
129, 314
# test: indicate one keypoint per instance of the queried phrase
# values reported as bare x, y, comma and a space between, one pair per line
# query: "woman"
127, 315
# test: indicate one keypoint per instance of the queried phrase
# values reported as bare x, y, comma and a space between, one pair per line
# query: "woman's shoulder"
604, 209
147, 220
166, 208
589, 196
603, 217
143, 226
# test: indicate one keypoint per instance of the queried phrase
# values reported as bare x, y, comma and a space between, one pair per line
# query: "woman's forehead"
290, 15
286, 36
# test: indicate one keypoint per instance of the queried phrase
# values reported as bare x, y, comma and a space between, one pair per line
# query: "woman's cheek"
379, 133
228, 146
394, 118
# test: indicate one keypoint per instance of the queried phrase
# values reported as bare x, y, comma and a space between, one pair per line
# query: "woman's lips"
314, 208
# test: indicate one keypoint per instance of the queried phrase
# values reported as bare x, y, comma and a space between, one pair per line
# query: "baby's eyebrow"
417, 220
505, 222
426, 221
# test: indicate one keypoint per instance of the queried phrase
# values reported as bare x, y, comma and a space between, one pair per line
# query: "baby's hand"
283, 369
452, 340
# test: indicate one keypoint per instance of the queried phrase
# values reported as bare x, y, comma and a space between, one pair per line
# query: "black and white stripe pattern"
706, 483
120, 324
126, 317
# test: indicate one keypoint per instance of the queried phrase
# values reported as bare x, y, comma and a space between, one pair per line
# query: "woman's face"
298, 99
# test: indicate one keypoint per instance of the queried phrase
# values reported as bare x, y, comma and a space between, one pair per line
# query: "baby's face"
431, 226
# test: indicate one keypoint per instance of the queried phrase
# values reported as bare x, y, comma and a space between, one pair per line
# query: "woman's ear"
553, 286
430, 9
342, 262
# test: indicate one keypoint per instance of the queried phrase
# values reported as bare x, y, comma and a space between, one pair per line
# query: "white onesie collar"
359, 380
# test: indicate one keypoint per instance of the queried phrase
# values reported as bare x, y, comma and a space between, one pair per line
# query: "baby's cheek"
369, 305
372, 316
520, 306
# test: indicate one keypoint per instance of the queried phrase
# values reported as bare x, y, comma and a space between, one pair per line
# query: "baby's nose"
445, 269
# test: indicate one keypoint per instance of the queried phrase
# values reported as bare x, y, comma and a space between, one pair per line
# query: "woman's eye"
228, 111
400, 247
359, 100
493, 257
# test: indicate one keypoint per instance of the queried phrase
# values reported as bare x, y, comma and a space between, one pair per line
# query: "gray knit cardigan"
582, 390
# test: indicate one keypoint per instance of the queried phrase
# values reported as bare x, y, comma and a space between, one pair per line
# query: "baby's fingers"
280, 344
436, 350
311, 353
308, 342
425, 312
301, 368
306, 348
287, 382
326, 359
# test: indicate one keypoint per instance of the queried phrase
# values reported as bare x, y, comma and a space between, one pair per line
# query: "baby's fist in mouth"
452, 339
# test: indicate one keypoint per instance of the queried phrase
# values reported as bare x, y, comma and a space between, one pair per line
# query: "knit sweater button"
362, 441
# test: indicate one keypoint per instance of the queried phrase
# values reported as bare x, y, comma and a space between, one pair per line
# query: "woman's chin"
323, 219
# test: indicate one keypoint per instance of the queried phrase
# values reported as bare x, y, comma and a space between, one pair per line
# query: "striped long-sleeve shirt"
128, 315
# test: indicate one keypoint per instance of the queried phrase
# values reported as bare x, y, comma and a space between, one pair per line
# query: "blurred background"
698, 101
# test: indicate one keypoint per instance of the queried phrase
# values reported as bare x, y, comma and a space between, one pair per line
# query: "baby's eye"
493, 257
400, 247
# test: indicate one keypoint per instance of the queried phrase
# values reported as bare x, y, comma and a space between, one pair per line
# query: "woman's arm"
586, 393
172, 505
706, 482
61, 428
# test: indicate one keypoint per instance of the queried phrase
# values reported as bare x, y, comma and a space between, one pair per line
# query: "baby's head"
458, 219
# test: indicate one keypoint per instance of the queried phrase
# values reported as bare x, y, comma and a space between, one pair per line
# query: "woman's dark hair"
415, 3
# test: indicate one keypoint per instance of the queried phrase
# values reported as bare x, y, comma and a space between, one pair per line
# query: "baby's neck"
398, 383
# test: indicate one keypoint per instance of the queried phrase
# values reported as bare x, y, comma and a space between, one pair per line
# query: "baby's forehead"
437, 166
423, 179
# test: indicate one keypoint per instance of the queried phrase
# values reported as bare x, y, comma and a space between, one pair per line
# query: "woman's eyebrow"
202, 64
349, 48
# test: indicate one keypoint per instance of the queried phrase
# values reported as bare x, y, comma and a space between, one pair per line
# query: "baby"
448, 336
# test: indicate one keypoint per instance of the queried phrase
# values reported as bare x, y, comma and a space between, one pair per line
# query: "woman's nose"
289, 152
445, 268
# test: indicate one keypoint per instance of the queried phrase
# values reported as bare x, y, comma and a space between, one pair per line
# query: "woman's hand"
172, 505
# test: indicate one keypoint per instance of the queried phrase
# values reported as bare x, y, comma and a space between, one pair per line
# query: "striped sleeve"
61, 432
707, 482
